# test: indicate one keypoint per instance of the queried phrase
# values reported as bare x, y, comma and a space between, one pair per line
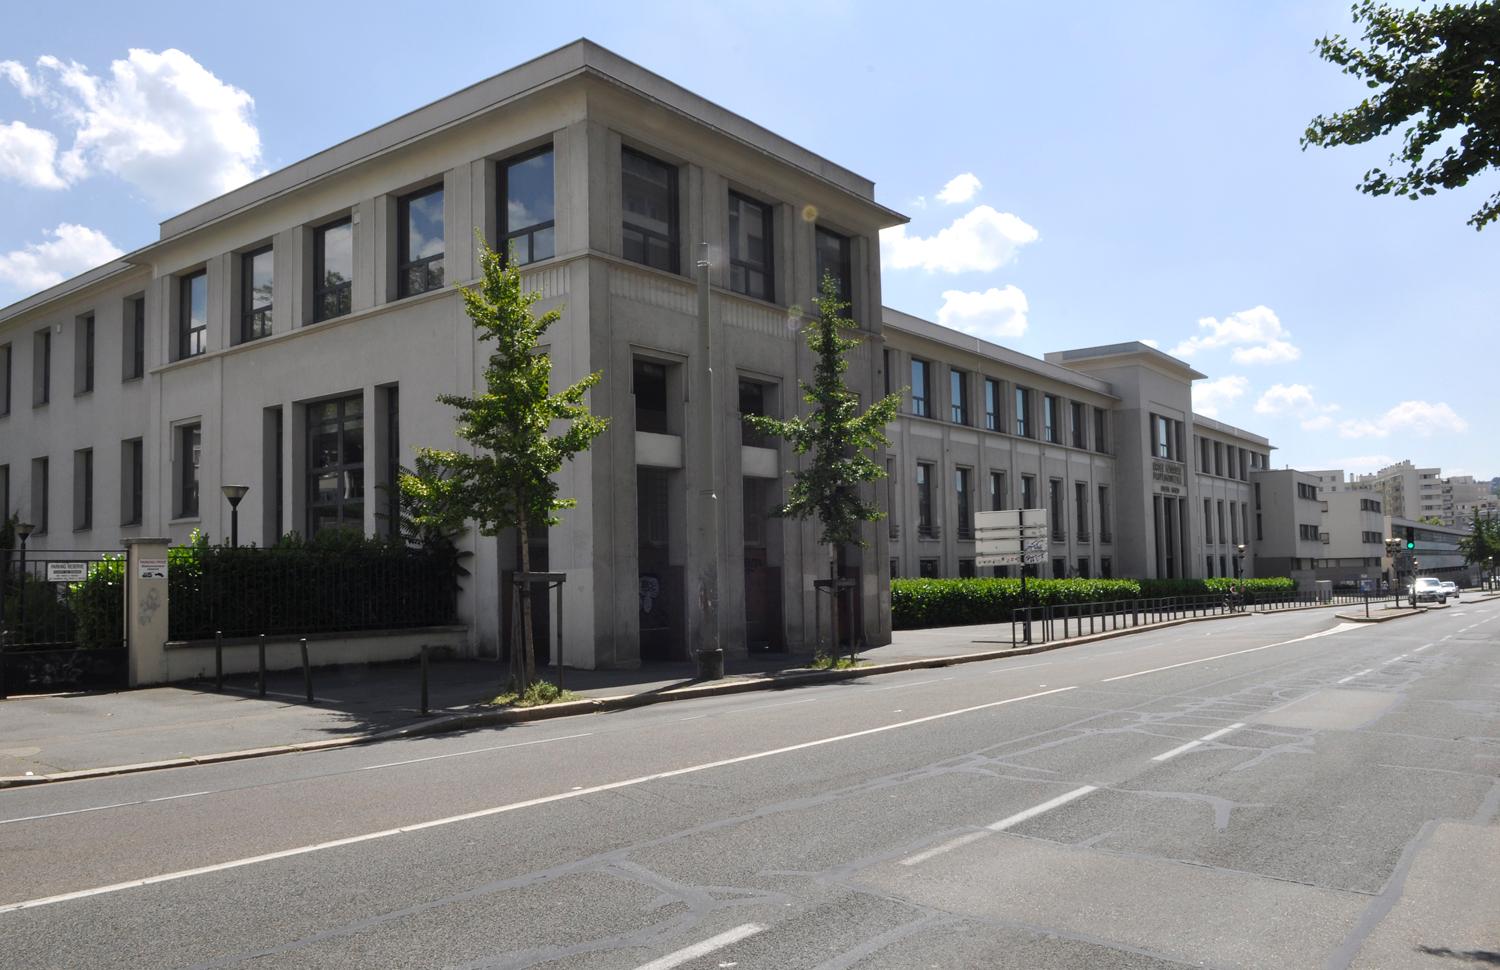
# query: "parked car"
1451, 588
1427, 589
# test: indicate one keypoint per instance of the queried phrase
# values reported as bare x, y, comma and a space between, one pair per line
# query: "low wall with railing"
195, 659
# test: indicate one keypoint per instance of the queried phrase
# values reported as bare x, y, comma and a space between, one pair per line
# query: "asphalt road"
1270, 791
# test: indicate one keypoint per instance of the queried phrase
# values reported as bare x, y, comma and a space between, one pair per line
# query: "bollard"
219, 661
1367, 605
306, 673
424, 679
260, 682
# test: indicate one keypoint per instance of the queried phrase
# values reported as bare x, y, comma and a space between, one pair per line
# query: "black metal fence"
296, 592
61, 621
1043, 624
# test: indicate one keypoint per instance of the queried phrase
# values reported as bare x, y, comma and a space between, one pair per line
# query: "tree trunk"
833, 598
526, 668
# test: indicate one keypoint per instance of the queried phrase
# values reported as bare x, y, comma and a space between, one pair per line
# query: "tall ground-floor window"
336, 465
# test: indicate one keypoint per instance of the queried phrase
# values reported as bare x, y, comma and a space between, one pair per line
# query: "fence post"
219, 661
260, 677
146, 609
424, 679
306, 672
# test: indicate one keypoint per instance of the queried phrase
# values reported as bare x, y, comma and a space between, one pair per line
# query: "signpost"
1014, 537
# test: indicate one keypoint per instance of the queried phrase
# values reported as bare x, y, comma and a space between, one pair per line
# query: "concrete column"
146, 611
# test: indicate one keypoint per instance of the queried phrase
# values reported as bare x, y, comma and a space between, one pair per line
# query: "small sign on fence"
151, 568
67, 572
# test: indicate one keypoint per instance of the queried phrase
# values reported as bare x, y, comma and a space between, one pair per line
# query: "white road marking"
1007, 670
1187, 663
1424, 647
100, 808
1392, 660
937, 850
281, 693
678, 957
1036, 810
915, 683
1167, 755
511, 807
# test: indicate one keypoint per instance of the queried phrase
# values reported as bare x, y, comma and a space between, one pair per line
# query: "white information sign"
151, 568
1011, 559
67, 572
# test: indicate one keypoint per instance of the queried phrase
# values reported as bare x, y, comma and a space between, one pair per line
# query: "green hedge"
1274, 585
918, 603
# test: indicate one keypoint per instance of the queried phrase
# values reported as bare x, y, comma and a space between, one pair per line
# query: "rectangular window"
419, 244
1083, 569
132, 481
1229, 461
393, 461
919, 390
189, 458
1106, 534
834, 261
750, 251
1081, 507
257, 272
1245, 520
649, 200
966, 569
963, 490
649, 383
1208, 521
1080, 425
1234, 525
527, 215
1059, 568
83, 489
753, 397
336, 465
192, 315
1218, 458
1256, 487
1051, 428
1101, 435
1308, 532
1260, 532
927, 568
1055, 508
997, 491
1024, 428
1161, 437
991, 404
1208, 566
958, 390
924, 499
83, 355
5, 378
4, 491
333, 270
41, 486
1106, 567
886, 360
1028, 491
133, 354
1244, 470
1219, 518
41, 368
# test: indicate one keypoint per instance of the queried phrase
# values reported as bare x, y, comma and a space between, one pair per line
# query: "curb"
599, 705
1381, 619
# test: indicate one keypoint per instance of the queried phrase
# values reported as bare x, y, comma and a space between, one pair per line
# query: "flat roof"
1131, 348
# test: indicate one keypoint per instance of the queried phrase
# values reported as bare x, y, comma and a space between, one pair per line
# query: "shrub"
1273, 585
917, 603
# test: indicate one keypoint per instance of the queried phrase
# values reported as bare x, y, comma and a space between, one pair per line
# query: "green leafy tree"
1437, 73
1483, 542
839, 437
505, 480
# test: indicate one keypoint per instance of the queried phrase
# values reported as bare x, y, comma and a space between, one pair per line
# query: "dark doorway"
660, 591
763, 627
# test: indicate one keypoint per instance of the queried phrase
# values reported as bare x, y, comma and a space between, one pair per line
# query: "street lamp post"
234, 493
24, 530
1490, 568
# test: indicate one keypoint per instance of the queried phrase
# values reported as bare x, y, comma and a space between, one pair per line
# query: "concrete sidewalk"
50, 736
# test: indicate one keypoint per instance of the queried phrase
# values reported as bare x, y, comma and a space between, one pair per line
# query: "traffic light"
1411, 537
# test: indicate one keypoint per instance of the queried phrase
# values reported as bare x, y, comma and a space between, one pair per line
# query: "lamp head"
24, 530
234, 493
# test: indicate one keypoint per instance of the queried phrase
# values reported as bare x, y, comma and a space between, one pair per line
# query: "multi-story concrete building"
293, 335
1353, 537
1291, 541
1410, 492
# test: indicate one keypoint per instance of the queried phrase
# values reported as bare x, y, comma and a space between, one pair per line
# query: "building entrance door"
763, 627
660, 593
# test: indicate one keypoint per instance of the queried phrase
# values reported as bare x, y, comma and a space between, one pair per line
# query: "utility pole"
708, 507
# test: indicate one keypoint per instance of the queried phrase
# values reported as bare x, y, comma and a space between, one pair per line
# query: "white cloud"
1298, 400
981, 240
960, 188
990, 314
29, 156
70, 250
162, 122
1210, 396
1256, 334
1420, 418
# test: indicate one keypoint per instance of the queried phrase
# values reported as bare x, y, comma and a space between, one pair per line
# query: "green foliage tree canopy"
1437, 72
835, 433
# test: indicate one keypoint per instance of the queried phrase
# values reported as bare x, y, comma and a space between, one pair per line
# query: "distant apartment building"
1410, 492
1289, 499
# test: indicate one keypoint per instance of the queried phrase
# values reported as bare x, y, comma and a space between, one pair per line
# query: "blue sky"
1076, 174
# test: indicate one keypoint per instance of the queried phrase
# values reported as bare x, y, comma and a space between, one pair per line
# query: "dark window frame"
84, 369
189, 479
673, 238
738, 261
255, 323
1025, 426
405, 264
921, 404
963, 491
41, 387
502, 217
134, 473
342, 467
135, 318
958, 391
925, 521
190, 337
83, 490
845, 275
343, 292
994, 408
